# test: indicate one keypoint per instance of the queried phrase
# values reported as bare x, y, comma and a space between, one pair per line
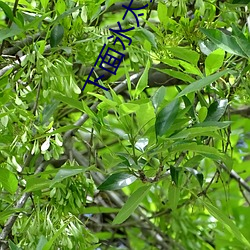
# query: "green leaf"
186, 54
35, 184
41, 243
36, 21
216, 110
244, 45
144, 34
143, 81
70, 101
166, 117
158, 97
66, 172
188, 105
223, 41
128, 108
162, 12
132, 203
197, 85
98, 210
108, 3
117, 181
198, 175
194, 161
19, 20
227, 223
173, 196
49, 244
207, 46
214, 61
44, 3
219, 125
177, 74
68, 12
105, 100
9, 211
7, 10
202, 100
56, 35
49, 110
202, 114
193, 132
9, 32
189, 68
8, 180
204, 150
13, 246
241, 40
237, 32
174, 172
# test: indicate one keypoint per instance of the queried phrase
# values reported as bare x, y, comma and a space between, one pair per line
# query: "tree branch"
21, 44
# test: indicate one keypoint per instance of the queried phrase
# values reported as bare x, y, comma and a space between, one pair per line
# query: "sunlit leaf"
117, 181
198, 85
8, 180
202, 114
186, 54
214, 61
162, 12
129, 108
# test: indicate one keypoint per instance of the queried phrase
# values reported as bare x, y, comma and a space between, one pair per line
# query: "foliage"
160, 161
